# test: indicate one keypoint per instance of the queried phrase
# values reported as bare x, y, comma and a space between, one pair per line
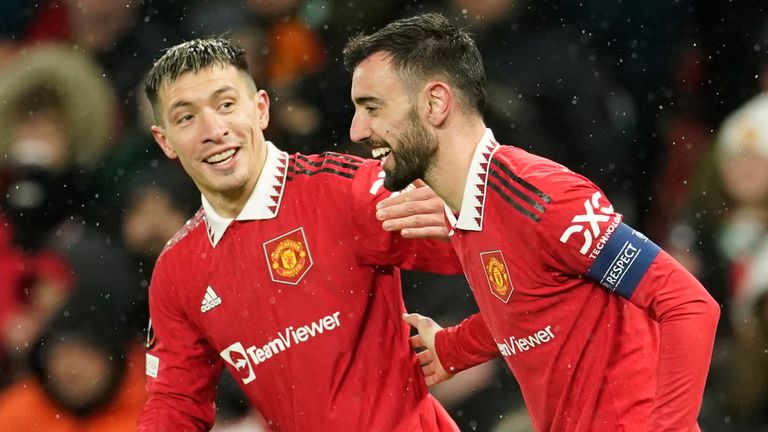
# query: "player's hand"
425, 341
416, 212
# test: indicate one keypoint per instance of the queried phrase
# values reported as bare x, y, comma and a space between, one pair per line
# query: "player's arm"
182, 369
449, 351
418, 211
586, 238
687, 317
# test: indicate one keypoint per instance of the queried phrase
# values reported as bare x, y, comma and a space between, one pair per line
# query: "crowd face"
745, 177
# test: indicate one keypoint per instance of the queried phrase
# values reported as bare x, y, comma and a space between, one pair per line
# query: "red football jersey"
300, 298
577, 302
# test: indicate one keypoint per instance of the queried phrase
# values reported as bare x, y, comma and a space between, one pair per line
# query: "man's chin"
394, 183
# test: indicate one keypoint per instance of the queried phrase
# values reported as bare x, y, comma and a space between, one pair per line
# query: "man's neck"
456, 149
229, 205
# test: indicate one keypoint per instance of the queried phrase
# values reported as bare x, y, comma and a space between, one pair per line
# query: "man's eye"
184, 118
371, 109
227, 105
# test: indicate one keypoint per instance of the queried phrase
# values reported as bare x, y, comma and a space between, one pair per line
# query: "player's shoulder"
528, 166
186, 235
543, 175
327, 164
535, 186
333, 176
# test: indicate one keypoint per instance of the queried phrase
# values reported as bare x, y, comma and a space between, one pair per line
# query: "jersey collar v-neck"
470, 216
264, 202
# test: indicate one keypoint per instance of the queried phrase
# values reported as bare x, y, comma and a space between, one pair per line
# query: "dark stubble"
416, 149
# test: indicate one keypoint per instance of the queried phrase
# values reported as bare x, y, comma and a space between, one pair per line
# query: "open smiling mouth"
221, 158
381, 152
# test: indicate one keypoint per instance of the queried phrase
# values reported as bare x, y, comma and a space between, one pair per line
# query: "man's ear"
261, 98
158, 133
439, 102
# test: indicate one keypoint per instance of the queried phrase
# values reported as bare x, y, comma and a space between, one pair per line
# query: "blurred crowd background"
662, 103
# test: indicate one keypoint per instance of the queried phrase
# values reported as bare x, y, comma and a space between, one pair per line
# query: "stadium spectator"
57, 116
87, 371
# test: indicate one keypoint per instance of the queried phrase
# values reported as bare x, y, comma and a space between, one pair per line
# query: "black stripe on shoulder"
511, 188
327, 159
294, 171
527, 213
345, 157
514, 177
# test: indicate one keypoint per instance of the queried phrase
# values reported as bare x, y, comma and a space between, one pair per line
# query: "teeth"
220, 156
380, 152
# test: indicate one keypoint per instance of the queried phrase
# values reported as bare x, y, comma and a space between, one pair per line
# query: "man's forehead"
376, 66
375, 77
202, 83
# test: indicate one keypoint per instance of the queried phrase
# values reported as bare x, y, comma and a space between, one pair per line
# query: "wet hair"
193, 56
422, 47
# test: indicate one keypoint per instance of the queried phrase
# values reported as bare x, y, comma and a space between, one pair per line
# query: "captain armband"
623, 260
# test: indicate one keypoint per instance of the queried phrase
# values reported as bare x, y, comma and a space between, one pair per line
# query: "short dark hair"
193, 56
424, 46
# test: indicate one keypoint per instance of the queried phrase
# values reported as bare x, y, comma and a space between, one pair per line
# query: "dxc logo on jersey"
588, 223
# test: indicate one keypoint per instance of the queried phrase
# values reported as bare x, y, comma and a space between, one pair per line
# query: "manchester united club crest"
288, 257
498, 274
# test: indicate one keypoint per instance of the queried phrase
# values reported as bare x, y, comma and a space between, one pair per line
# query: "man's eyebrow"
179, 104
362, 100
223, 89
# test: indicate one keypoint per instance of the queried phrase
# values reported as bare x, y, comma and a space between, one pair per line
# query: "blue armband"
623, 261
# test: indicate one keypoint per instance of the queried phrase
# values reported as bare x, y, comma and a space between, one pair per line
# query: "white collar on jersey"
264, 201
472, 204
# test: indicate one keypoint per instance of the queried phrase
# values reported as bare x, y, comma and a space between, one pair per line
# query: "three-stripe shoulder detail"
325, 163
521, 195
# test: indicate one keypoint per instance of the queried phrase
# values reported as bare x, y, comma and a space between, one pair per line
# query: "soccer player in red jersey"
285, 275
602, 329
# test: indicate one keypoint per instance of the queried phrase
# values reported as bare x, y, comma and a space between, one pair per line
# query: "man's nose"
360, 129
215, 128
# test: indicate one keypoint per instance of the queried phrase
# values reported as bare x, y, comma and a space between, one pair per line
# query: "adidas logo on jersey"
210, 300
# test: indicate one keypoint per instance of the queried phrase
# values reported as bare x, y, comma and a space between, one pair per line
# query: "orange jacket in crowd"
25, 407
